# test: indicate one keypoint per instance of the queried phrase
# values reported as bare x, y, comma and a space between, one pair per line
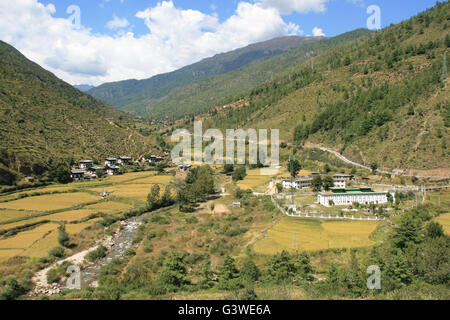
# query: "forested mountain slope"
45, 121
380, 98
140, 96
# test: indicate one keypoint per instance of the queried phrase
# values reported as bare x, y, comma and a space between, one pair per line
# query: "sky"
98, 41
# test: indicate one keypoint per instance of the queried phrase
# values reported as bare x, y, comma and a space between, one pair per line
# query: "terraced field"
50, 202
312, 235
73, 208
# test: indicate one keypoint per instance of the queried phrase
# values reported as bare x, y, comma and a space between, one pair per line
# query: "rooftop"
78, 171
350, 191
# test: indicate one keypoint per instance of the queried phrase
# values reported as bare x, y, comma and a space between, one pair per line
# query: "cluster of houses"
86, 169
340, 181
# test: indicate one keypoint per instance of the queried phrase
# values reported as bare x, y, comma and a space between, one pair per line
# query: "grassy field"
315, 235
50, 202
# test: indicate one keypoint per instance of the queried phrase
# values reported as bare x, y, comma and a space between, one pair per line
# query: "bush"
63, 237
57, 252
98, 253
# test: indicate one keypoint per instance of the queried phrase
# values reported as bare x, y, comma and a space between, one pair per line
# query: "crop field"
27, 238
154, 180
255, 181
42, 246
445, 221
72, 229
9, 215
314, 235
137, 192
50, 202
109, 207
128, 177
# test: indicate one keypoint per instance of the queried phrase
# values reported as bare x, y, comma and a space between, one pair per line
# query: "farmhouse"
112, 170
299, 183
85, 164
124, 161
78, 174
345, 197
110, 162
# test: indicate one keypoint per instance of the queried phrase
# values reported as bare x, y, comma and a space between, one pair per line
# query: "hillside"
141, 96
378, 99
45, 120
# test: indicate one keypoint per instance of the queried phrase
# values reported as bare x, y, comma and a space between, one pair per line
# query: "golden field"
316, 235
50, 202
445, 221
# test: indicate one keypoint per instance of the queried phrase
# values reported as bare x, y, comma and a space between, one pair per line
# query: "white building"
346, 197
110, 162
299, 183
124, 161
85, 164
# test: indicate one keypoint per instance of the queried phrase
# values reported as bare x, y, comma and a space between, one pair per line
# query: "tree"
304, 267
229, 274
316, 184
153, 198
434, 230
63, 237
228, 168
173, 276
167, 199
407, 232
374, 167
206, 275
328, 183
279, 187
100, 173
63, 174
249, 271
239, 174
294, 167
280, 268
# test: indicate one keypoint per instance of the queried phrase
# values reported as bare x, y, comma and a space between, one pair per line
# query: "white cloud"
301, 6
176, 38
318, 32
117, 23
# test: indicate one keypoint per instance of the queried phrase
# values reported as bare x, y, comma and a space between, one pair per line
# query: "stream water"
122, 241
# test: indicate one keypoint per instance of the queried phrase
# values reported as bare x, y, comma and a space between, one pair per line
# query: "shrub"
57, 252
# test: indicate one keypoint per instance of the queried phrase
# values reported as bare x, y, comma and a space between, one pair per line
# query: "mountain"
84, 87
45, 121
139, 96
378, 99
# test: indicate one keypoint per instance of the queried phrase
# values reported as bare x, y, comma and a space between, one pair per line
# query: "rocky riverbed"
116, 244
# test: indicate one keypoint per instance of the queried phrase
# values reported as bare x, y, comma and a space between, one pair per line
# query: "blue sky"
340, 15
125, 39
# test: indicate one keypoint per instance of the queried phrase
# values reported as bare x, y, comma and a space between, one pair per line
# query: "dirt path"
420, 173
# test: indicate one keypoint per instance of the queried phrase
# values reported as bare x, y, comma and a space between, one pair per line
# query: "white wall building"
346, 197
299, 183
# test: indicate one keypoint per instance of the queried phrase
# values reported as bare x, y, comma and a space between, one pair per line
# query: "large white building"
299, 183
346, 197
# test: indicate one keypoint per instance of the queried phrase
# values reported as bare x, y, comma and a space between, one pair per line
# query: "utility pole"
291, 160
